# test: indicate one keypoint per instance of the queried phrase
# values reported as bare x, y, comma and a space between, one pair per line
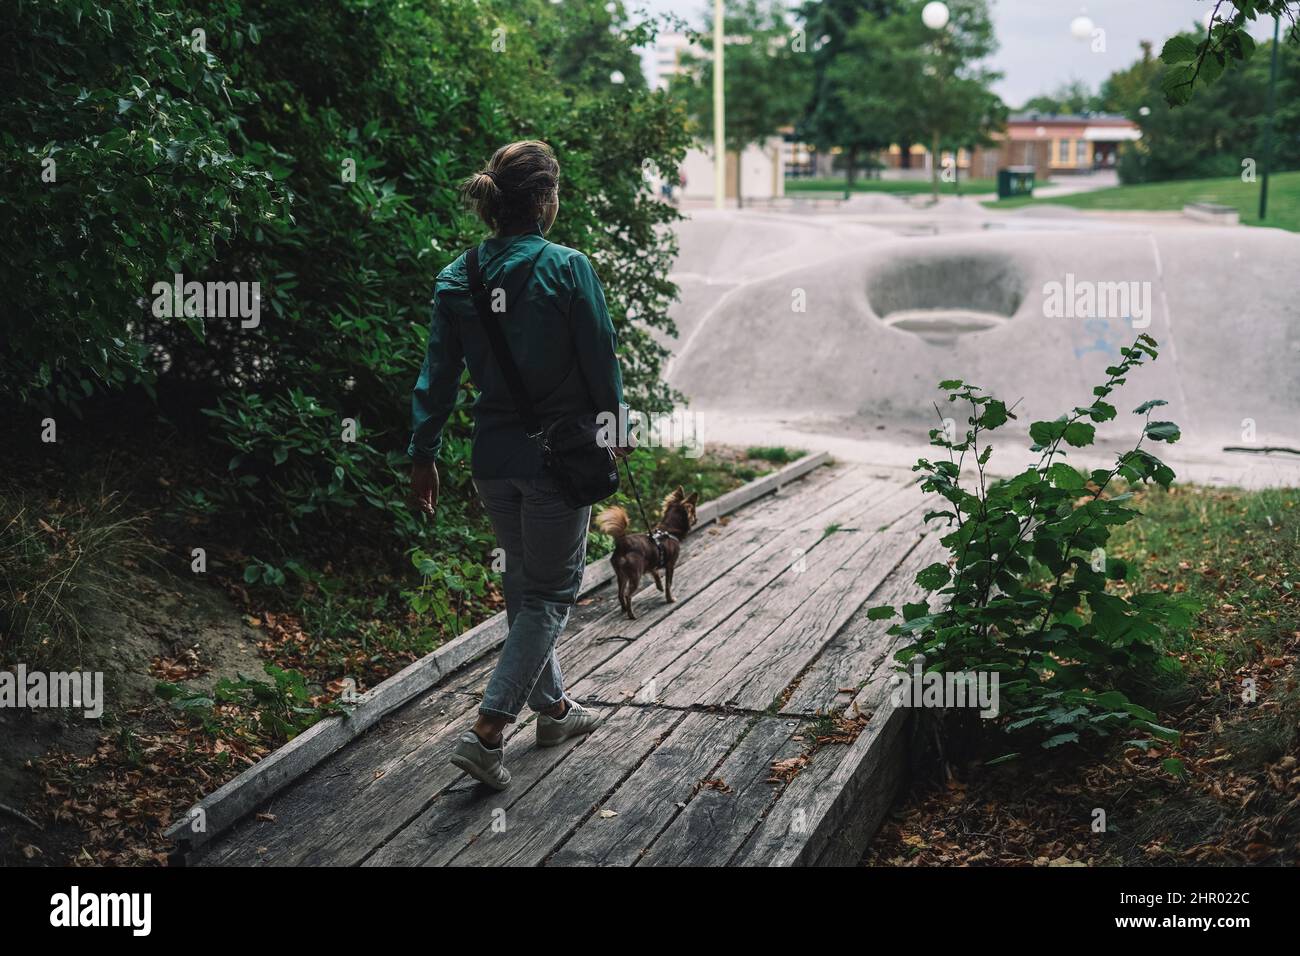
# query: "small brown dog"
635, 554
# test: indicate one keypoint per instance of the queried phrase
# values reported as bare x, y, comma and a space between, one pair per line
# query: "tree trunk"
904, 155
934, 166
848, 173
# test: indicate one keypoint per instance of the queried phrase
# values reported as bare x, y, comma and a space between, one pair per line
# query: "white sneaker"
577, 720
484, 765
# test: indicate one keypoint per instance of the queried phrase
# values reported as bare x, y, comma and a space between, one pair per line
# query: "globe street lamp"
1081, 27
935, 15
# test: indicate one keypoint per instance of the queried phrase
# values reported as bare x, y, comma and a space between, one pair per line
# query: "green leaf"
1179, 49
1163, 431
933, 577
912, 611
882, 613
1067, 738
995, 414
1177, 84
1044, 433
1079, 434
1002, 759
1147, 406
1065, 477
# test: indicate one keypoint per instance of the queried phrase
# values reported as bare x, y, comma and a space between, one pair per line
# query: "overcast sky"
1037, 52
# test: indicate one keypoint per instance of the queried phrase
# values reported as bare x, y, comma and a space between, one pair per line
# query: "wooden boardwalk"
721, 743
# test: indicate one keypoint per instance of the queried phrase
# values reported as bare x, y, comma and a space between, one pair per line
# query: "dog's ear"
694, 498
679, 493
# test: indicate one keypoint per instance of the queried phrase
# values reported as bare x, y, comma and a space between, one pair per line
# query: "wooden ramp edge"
224, 807
747, 723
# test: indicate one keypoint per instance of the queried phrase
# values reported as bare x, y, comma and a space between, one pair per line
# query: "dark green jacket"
561, 337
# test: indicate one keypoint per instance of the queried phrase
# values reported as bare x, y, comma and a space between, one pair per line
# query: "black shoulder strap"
497, 339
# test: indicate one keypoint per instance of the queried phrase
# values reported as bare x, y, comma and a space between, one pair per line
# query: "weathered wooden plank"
752, 673
739, 497
838, 813
788, 581
221, 809
790, 817
328, 816
717, 822
861, 644
632, 667
648, 801
585, 649
523, 819
574, 789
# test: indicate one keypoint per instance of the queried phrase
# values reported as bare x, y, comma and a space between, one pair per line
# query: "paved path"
714, 750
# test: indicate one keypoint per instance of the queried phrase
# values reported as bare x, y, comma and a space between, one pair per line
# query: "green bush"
317, 150
117, 143
1024, 593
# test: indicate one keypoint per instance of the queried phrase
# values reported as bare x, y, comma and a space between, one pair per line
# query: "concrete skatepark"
827, 326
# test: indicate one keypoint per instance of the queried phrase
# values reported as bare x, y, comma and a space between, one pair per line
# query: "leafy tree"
1215, 131
765, 78
927, 86
834, 116
1073, 97
594, 43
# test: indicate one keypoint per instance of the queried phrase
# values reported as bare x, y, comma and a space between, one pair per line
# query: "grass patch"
57, 558
901, 187
777, 455
1236, 554
1283, 198
1236, 702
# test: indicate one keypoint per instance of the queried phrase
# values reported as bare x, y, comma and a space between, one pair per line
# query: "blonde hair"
519, 181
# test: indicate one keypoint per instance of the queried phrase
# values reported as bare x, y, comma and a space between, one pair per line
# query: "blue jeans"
545, 543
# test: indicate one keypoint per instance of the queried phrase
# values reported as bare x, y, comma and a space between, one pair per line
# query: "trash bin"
1015, 181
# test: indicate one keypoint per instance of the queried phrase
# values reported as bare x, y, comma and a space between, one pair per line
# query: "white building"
762, 175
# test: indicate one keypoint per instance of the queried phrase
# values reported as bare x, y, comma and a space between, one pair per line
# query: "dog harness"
657, 536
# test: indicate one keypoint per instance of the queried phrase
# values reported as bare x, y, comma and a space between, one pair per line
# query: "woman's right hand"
424, 486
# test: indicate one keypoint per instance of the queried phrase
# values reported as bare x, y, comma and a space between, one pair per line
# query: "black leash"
636, 494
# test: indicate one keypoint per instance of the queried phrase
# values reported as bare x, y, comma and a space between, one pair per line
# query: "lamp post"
1268, 124
935, 16
719, 112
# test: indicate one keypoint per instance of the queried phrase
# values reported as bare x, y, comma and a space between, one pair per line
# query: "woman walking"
553, 318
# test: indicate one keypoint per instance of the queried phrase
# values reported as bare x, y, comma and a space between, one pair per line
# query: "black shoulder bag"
584, 469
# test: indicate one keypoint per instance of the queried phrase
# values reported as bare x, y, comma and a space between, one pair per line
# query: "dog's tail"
612, 521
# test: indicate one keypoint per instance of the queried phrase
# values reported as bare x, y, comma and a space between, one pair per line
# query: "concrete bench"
1212, 212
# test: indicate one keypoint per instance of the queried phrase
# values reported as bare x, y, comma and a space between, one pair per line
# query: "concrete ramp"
865, 334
